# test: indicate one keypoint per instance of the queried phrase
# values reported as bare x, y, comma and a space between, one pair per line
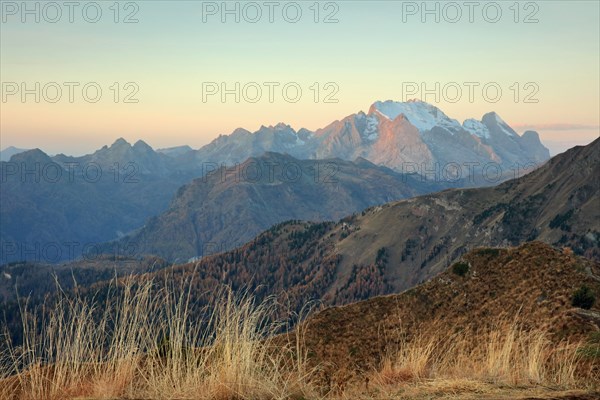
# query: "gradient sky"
369, 54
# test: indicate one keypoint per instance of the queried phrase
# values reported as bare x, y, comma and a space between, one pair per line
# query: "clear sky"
376, 50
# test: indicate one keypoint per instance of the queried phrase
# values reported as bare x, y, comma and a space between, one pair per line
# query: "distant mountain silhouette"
53, 207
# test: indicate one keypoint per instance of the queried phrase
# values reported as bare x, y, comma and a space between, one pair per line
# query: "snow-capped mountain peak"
391, 134
422, 115
476, 128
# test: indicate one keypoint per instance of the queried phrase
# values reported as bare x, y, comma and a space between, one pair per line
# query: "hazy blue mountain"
175, 151
10, 151
53, 207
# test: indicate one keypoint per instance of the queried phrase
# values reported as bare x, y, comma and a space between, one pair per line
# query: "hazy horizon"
554, 146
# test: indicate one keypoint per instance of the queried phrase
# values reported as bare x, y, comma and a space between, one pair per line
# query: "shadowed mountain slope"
230, 206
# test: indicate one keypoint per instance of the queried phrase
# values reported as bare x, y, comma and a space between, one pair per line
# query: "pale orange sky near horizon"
370, 53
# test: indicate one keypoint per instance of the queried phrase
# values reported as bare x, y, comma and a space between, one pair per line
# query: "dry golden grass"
143, 344
505, 356
146, 346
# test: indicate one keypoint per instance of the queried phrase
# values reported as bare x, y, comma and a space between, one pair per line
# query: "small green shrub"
583, 298
460, 268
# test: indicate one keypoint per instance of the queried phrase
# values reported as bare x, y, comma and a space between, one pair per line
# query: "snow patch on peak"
382, 114
476, 128
422, 115
371, 133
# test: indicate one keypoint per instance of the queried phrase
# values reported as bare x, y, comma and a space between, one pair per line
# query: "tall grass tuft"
144, 342
506, 354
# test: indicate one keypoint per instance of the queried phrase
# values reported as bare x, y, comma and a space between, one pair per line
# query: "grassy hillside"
500, 324
487, 290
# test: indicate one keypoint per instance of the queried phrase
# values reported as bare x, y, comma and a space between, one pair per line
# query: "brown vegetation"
505, 328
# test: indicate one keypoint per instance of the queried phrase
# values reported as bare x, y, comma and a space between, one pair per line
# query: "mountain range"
55, 207
123, 189
403, 136
462, 269
391, 248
